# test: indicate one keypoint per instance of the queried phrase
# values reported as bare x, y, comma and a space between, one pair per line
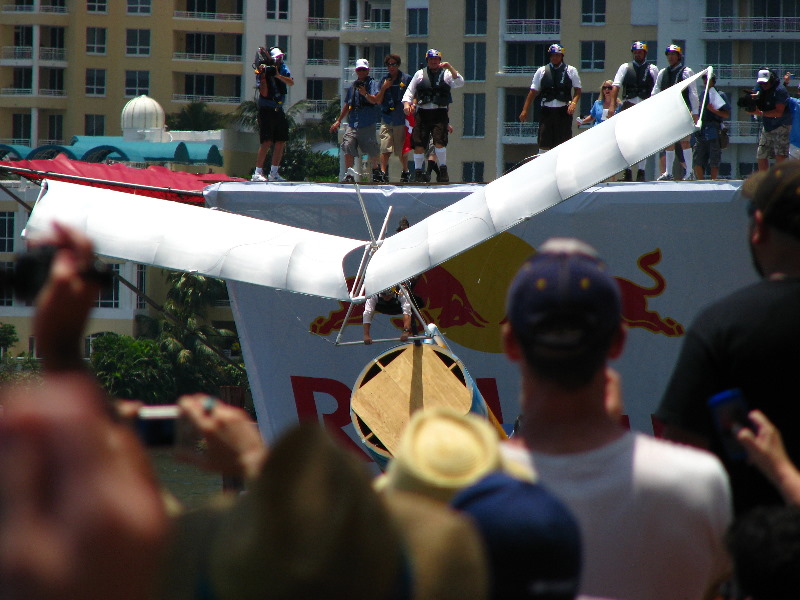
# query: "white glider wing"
188, 238
567, 169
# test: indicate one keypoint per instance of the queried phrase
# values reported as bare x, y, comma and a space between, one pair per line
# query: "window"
6, 293
94, 125
137, 42
314, 89
417, 21
199, 85
55, 127
96, 6
139, 7
517, 9
472, 172
21, 128
593, 56
55, 80
278, 9
95, 40
593, 12
476, 17
137, 83
316, 49
775, 9
547, 9
278, 41
141, 285
416, 56
23, 78
53, 37
776, 52
380, 15
474, 115
6, 231
475, 61
719, 8
23, 36
587, 100
201, 43
720, 55
109, 297
316, 9
95, 82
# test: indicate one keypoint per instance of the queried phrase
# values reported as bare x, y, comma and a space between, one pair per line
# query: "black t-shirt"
748, 340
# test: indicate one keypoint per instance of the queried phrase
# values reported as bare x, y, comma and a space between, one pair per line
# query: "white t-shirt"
652, 515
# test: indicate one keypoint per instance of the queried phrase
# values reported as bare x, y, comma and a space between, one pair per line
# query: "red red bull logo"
465, 296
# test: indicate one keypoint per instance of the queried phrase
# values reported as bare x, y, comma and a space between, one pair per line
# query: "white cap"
276, 53
763, 76
362, 63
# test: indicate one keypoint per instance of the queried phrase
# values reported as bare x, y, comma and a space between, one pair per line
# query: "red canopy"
158, 182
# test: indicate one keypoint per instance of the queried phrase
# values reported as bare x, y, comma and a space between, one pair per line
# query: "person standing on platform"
559, 85
360, 108
706, 141
636, 79
769, 100
673, 73
431, 88
393, 127
272, 79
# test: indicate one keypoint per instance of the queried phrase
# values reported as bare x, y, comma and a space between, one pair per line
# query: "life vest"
393, 98
433, 89
673, 76
556, 84
356, 99
275, 88
638, 81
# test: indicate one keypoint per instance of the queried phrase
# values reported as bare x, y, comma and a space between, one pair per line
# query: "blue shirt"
781, 97
362, 112
794, 134
392, 105
280, 94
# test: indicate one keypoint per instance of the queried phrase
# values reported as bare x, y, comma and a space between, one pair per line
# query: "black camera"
749, 100
359, 83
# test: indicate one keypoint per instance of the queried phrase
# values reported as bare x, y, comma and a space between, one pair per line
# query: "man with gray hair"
652, 514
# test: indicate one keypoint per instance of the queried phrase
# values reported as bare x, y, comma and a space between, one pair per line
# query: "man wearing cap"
652, 514
771, 100
272, 79
673, 73
560, 88
393, 127
428, 94
748, 340
360, 108
706, 142
636, 79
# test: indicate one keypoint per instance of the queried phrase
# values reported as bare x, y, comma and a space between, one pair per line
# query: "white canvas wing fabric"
189, 238
562, 172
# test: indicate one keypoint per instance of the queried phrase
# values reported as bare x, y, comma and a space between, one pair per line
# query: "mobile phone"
729, 410
157, 426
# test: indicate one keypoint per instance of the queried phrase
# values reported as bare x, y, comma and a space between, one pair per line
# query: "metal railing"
323, 24
739, 71
206, 99
29, 8
52, 143
52, 93
207, 16
16, 141
750, 24
17, 52
316, 107
349, 74
207, 57
745, 129
366, 25
50, 8
518, 70
323, 62
16, 92
520, 130
17, 8
52, 54
533, 27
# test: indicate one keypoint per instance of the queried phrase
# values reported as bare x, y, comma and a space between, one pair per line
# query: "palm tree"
195, 116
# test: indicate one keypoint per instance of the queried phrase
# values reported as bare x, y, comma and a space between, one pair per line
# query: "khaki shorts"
357, 142
773, 143
393, 138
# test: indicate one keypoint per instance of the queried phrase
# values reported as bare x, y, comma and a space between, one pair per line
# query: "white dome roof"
142, 113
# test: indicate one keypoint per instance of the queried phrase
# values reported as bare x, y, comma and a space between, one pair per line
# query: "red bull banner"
672, 246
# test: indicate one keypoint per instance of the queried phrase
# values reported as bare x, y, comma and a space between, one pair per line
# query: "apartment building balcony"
745, 74
526, 70
30, 8
187, 98
15, 142
323, 67
53, 54
532, 29
224, 58
313, 109
319, 27
754, 25
366, 25
744, 132
52, 93
519, 133
16, 53
207, 16
16, 92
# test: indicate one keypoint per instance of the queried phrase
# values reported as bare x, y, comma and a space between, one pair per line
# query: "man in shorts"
772, 101
360, 108
272, 79
706, 147
393, 125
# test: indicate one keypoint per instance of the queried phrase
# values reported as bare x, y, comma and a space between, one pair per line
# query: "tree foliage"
8, 336
196, 116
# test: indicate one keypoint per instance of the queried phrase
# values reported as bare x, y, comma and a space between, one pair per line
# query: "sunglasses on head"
608, 87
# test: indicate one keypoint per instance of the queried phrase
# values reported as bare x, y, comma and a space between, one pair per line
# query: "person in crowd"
272, 79
748, 340
601, 106
393, 126
360, 108
675, 72
564, 326
636, 80
429, 97
769, 100
794, 133
707, 149
559, 85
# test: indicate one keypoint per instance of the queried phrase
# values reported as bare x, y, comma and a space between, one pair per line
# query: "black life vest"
673, 76
356, 99
556, 84
392, 306
433, 89
638, 81
276, 89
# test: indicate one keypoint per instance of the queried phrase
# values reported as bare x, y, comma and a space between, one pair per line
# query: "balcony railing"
520, 130
16, 141
17, 52
750, 24
550, 27
749, 72
50, 8
56, 93
320, 24
17, 8
366, 25
16, 91
518, 69
316, 107
29, 8
207, 57
349, 74
52, 54
207, 16
52, 143
744, 129
206, 99
323, 62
